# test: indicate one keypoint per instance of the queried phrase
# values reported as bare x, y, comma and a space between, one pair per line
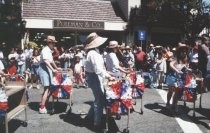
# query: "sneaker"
30, 86
38, 86
43, 111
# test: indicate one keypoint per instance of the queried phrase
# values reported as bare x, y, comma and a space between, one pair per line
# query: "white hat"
113, 44
50, 38
94, 41
151, 45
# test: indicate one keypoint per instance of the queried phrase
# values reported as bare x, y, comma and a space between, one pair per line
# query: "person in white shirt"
78, 72
193, 56
46, 70
21, 62
112, 62
95, 72
64, 58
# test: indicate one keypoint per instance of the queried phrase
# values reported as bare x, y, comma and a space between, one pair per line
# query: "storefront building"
72, 20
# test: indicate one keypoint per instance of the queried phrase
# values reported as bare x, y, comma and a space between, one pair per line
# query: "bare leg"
169, 95
45, 95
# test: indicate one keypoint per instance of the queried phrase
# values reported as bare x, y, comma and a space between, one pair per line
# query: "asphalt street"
156, 118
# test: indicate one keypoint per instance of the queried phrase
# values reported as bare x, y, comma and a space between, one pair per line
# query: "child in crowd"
161, 69
78, 72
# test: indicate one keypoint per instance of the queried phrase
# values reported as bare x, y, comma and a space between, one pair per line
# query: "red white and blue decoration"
61, 86
119, 97
190, 85
137, 82
3, 103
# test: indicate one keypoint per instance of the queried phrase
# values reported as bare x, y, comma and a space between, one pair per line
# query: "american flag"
61, 86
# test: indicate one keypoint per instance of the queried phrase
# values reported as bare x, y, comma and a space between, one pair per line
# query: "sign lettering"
71, 24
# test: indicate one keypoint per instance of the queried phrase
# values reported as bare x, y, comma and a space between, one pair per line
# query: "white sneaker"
30, 86
43, 111
37, 86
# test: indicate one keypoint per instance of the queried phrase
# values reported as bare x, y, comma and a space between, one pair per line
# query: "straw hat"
50, 39
113, 44
94, 41
127, 47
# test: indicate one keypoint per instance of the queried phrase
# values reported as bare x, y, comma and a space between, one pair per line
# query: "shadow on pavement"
89, 102
76, 120
157, 107
59, 107
14, 124
204, 119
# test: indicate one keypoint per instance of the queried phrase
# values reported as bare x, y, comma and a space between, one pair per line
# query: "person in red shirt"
140, 55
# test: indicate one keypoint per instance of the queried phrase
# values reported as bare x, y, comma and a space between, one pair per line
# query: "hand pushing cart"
61, 88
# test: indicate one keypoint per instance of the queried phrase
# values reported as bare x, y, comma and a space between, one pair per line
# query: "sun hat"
50, 39
127, 47
113, 44
151, 45
93, 40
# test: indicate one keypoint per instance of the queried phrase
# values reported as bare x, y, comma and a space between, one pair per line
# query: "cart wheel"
184, 104
105, 131
193, 114
24, 124
69, 111
118, 117
132, 110
134, 102
141, 112
126, 130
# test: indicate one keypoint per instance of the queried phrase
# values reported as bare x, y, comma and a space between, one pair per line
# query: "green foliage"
190, 16
32, 44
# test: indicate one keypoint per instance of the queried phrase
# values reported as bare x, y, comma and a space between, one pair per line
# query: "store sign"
71, 24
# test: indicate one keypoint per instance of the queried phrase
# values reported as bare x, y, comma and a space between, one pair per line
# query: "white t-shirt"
77, 68
1, 65
21, 58
14, 55
36, 60
46, 54
193, 57
95, 64
112, 62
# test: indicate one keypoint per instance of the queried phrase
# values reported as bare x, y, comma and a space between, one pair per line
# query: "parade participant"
177, 65
203, 52
95, 74
112, 62
46, 70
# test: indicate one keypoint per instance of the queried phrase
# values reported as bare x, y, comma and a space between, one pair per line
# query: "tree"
190, 16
